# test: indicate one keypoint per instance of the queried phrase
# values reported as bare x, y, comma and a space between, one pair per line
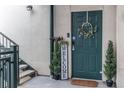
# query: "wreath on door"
87, 30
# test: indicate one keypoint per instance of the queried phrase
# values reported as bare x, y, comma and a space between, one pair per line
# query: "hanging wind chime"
87, 30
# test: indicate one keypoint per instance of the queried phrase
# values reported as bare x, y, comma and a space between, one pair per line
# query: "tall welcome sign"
64, 61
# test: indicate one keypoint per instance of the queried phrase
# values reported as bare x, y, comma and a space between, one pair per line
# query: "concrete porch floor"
47, 82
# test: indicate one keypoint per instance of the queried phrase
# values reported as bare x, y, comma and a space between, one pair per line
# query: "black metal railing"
5, 77
9, 66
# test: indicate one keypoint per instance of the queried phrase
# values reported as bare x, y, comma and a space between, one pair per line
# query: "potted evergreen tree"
110, 64
55, 65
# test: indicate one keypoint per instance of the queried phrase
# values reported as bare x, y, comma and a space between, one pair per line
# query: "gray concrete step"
25, 79
26, 73
23, 66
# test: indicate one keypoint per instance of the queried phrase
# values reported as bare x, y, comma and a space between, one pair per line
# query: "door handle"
73, 48
73, 41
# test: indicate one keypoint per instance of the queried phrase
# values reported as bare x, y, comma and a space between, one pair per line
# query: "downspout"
51, 30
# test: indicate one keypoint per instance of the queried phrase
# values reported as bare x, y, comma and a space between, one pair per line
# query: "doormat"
84, 83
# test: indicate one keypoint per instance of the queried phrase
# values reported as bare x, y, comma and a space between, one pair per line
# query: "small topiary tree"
110, 63
55, 65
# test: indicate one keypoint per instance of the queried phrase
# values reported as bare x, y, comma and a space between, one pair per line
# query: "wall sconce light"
29, 8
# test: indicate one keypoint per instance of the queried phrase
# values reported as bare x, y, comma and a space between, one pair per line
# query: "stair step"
25, 79
26, 73
23, 66
20, 70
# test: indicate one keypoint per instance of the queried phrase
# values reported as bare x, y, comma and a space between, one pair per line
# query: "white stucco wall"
62, 25
31, 31
120, 46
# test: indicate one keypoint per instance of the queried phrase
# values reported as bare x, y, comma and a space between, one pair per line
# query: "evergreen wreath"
87, 30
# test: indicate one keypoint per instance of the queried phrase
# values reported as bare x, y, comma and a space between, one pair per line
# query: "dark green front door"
87, 52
